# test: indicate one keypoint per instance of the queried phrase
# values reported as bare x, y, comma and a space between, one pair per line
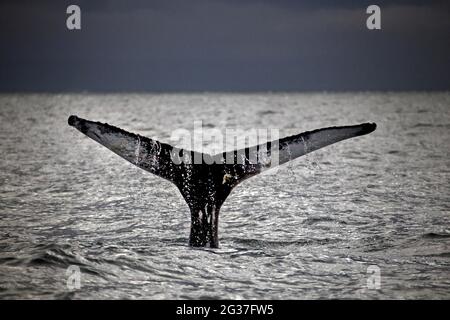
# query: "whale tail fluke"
205, 186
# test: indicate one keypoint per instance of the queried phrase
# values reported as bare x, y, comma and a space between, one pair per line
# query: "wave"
434, 235
314, 220
431, 125
252, 243
50, 255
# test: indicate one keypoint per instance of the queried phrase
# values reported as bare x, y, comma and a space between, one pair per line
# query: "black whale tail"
206, 186
146, 153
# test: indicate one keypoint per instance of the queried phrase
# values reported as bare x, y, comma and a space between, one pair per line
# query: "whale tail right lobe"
280, 151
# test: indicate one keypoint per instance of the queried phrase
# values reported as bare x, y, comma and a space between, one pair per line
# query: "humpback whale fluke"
206, 185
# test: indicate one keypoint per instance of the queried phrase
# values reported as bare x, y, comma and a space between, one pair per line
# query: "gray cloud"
224, 45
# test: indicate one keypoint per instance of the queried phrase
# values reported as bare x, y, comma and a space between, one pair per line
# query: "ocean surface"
366, 218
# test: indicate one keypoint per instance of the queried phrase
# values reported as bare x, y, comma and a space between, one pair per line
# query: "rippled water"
310, 231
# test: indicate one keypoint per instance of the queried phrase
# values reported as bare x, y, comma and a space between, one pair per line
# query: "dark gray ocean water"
367, 213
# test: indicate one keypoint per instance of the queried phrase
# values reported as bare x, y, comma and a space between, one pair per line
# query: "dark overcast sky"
224, 45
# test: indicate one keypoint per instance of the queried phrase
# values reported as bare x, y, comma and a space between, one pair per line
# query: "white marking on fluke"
137, 150
304, 145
